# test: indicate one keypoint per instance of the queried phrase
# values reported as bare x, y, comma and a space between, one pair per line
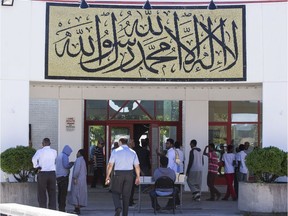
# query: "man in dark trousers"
124, 159
63, 167
98, 163
212, 171
163, 170
44, 160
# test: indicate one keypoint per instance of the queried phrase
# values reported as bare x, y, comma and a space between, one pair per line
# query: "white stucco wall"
22, 56
73, 138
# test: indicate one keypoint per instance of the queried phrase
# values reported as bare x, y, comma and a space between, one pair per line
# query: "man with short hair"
171, 154
98, 165
212, 171
124, 159
44, 160
194, 170
243, 170
163, 170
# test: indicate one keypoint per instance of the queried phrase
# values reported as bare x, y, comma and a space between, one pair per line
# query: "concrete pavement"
100, 203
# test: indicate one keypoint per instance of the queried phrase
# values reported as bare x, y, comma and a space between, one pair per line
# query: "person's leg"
41, 190
230, 185
127, 187
198, 185
170, 203
131, 198
210, 184
51, 189
236, 182
94, 180
227, 194
98, 176
117, 190
241, 177
213, 188
102, 176
152, 197
245, 177
62, 183
116, 200
191, 182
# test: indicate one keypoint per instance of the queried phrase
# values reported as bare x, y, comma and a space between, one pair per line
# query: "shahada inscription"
131, 43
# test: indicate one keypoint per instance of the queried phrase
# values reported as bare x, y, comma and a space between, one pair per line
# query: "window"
102, 110
235, 122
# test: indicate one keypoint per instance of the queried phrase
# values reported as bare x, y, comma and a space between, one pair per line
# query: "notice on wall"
134, 44
70, 123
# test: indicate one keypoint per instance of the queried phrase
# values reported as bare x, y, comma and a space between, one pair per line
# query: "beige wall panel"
70, 92
134, 93
73, 138
195, 126
200, 94
44, 92
235, 94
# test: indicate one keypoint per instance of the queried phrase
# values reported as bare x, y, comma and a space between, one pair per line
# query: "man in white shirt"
229, 162
243, 170
171, 154
44, 160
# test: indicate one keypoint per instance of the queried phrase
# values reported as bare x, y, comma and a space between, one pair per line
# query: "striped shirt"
212, 162
98, 153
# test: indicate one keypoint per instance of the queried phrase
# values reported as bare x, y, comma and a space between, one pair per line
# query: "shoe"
132, 203
76, 211
197, 200
118, 212
225, 199
196, 196
218, 196
210, 199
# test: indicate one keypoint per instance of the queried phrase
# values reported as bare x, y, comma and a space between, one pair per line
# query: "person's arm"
108, 173
65, 162
35, 159
76, 171
191, 158
205, 151
137, 171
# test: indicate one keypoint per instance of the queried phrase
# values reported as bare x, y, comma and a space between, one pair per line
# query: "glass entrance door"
96, 133
116, 132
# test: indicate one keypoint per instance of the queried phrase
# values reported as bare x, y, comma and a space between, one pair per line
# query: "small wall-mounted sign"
70, 123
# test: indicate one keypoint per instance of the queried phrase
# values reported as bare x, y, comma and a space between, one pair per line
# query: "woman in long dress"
79, 184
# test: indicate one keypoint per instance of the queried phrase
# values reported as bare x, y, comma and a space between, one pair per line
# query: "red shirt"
213, 162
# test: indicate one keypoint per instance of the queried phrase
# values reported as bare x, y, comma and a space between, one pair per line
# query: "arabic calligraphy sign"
130, 43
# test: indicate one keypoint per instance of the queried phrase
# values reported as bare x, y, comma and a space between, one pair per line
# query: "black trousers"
122, 185
170, 201
62, 183
211, 184
98, 175
46, 182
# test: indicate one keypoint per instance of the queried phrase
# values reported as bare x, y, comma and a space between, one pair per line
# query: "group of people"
235, 169
124, 169
52, 169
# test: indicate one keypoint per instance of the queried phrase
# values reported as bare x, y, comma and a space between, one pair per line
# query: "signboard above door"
129, 43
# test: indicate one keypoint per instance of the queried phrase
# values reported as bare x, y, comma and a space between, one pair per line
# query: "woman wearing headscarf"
79, 184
